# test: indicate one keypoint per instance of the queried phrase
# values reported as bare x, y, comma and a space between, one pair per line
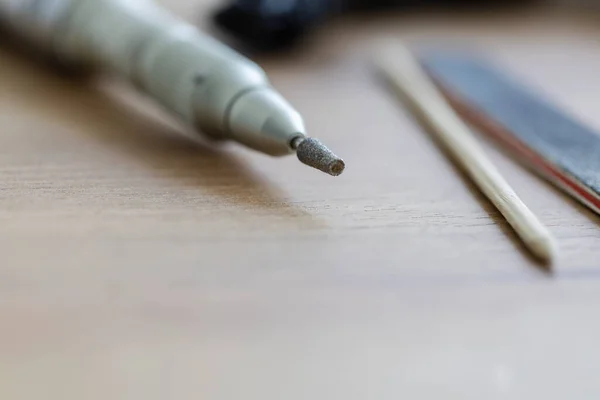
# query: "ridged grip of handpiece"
190, 74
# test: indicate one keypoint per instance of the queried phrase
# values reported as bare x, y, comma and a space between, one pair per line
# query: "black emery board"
540, 134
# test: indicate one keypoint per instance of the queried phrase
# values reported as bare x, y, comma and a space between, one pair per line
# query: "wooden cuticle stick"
406, 76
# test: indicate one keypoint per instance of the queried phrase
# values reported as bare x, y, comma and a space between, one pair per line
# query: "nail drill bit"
199, 80
315, 154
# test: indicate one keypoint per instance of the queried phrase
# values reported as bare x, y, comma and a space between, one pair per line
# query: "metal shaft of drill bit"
315, 154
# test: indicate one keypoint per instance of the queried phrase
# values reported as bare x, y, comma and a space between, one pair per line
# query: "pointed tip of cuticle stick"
545, 249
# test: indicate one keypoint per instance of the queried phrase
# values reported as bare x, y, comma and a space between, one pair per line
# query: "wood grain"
136, 265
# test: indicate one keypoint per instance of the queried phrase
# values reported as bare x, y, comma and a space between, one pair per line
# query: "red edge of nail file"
553, 144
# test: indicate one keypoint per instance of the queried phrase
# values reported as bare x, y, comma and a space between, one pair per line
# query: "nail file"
548, 140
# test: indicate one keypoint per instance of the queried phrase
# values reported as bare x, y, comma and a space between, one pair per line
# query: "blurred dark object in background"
269, 25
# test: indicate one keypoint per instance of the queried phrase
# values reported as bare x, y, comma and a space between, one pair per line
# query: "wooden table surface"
137, 265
